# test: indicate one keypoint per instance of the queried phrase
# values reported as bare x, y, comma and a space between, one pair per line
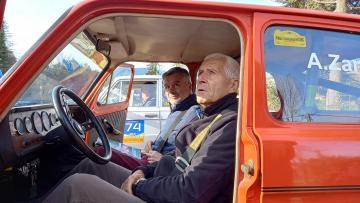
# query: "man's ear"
190, 87
234, 85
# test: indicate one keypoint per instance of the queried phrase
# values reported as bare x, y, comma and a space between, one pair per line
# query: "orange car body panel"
306, 161
293, 162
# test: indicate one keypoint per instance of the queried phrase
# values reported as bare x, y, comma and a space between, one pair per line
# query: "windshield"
75, 67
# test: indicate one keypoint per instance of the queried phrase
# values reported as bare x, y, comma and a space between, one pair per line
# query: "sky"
28, 20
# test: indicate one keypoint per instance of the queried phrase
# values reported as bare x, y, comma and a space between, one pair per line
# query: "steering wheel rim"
75, 129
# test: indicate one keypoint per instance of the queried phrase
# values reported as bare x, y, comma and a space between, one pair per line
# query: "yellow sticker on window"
134, 138
289, 38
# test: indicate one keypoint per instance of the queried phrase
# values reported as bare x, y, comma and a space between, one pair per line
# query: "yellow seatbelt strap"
181, 162
200, 137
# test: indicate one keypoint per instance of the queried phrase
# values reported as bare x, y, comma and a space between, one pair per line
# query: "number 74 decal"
134, 131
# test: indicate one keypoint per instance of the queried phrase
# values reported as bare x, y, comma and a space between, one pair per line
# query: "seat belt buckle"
181, 163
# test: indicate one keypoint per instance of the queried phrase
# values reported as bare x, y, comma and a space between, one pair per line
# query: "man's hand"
147, 147
153, 156
127, 184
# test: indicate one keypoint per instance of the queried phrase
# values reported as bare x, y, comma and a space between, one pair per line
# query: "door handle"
248, 168
151, 115
110, 128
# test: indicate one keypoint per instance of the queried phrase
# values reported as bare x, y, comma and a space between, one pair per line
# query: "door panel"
306, 154
117, 119
111, 103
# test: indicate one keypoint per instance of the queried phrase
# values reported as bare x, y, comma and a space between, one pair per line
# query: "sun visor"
118, 50
104, 26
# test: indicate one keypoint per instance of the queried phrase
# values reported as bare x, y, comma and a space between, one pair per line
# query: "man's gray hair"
177, 70
231, 66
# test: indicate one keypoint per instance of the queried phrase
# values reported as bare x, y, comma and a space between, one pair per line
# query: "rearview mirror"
103, 47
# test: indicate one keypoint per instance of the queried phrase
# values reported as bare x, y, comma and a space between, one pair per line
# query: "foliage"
352, 6
272, 94
153, 69
58, 71
309, 4
7, 58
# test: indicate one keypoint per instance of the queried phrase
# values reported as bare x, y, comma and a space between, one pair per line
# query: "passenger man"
178, 90
205, 148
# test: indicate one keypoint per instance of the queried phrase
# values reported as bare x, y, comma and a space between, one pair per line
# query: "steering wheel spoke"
87, 125
77, 130
65, 106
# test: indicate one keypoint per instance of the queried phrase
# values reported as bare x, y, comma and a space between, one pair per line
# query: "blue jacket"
189, 104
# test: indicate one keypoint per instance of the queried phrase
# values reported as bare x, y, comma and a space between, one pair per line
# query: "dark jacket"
188, 105
210, 176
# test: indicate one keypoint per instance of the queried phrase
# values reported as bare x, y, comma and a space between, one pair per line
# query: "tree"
7, 58
329, 5
273, 99
153, 69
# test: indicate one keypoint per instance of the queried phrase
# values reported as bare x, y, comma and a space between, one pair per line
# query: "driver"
205, 149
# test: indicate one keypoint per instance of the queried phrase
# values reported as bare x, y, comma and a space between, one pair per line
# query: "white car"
144, 119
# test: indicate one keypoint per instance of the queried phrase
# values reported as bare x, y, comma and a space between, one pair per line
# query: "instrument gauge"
28, 125
19, 126
53, 119
37, 123
45, 120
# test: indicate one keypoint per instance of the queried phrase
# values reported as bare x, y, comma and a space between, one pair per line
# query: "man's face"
177, 88
212, 83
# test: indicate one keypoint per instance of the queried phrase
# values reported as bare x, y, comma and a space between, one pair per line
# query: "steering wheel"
77, 130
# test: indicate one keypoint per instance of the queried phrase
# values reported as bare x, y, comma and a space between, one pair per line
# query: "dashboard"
28, 127
29, 130
33, 144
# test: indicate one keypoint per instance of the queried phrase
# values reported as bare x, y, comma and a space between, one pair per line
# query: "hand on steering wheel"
75, 129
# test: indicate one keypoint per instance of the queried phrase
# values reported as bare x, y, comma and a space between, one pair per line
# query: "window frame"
102, 109
315, 110
266, 20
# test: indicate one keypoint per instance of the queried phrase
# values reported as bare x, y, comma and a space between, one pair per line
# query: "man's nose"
201, 78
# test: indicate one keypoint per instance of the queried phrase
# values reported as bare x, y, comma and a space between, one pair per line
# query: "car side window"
143, 94
116, 86
316, 73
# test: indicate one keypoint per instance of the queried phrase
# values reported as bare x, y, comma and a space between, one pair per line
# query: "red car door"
109, 101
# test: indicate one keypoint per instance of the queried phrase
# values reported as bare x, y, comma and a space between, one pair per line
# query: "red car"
298, 137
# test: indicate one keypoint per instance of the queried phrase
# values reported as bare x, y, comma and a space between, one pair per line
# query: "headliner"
165, 39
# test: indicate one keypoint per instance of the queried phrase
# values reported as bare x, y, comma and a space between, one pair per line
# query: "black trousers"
91, 182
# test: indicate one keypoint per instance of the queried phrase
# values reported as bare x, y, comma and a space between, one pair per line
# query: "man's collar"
221, 104
184, 104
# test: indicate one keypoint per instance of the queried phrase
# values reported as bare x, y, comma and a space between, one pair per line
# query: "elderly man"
205, 149
177, 85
